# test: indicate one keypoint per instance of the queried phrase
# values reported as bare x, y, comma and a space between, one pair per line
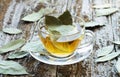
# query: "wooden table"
11, 12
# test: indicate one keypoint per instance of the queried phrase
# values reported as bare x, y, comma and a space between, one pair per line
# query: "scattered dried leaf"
102, 6
93, 24
105, 12
35, 46
12, 45
108, 57
37, 15
12, 31
116, 42
17, 55
105, 50
12, 68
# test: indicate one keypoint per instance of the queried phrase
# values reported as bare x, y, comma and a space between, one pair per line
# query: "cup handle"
87, 43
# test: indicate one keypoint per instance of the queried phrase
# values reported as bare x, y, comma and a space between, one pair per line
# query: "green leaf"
105, 12
12, 45
37, 15
35, 46
12, 30
108, 57
42, 1
102, 6
117, 66
51, 21
19, 54
64, 29
105, 50
32, 17
116, 42
66, 18
93, 24
12, 68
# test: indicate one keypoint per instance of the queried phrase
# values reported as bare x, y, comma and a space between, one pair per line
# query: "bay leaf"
105, 50
52, 21
12, 31
35, 46
93, 24
17, 55
102, 6
116, 42
66, 18
12, 68
117, 66
108, 57
43, 1
64, 29
35, 16
12, 45
32, 17
105, 12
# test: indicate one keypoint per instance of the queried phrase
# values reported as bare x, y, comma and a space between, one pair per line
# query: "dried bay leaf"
32, 17
66, 18
102, 6
52, 21
105, 12
108, 57
116, 42
37, 15
17, 55
64, 30
35, 46
105, 50
117, 66
12, 45
43, 1
12, 31
12, 68
93, 24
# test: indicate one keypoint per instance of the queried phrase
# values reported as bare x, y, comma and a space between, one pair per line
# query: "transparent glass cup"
62, 46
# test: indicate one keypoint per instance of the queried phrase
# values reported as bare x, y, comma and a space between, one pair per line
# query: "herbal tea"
60, 49
61, 35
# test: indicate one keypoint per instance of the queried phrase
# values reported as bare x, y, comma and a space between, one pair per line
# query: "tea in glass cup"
62, 40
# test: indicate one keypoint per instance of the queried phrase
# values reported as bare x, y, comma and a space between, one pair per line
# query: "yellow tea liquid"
60, 49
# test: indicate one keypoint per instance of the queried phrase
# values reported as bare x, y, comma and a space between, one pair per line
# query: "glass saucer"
81, 53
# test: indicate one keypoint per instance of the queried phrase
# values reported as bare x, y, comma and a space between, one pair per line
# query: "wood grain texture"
11, 12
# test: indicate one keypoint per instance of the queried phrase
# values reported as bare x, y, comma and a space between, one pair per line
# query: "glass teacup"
62, 46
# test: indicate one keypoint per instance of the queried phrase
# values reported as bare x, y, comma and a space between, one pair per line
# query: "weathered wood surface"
11, 11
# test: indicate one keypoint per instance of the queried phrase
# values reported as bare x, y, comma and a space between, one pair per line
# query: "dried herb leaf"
51, 21
35, 46
12, 68
32, 17
37, 15
116, 42
42, 1
17, 55
117, 66
102, 6
64, 29
93, 24
12, 45
105, 50
12, 30
105, 12
66, 18
108, 57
